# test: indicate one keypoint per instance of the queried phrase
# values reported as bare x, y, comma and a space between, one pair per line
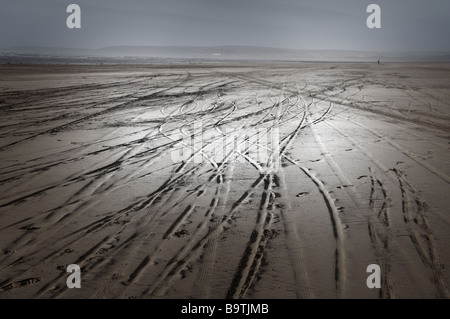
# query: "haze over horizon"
292, 24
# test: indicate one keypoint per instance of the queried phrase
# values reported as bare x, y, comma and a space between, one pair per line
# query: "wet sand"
225, 180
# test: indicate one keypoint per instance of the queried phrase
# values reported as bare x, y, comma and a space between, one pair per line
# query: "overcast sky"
412, 25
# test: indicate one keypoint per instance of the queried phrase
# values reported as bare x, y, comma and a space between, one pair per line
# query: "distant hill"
232, 53
136, 54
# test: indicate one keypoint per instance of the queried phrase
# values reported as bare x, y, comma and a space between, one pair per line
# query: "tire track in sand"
418, 226
380, 233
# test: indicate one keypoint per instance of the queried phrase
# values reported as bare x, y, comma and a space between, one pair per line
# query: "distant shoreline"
228, 54
185, 62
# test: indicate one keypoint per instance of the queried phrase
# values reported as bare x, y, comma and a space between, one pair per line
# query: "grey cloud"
320, 24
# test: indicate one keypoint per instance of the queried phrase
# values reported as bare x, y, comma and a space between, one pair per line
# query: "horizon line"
222, 46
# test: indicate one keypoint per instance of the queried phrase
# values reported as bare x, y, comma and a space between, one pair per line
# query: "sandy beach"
215, 180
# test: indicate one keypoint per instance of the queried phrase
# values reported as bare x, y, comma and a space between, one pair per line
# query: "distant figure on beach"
378, 62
